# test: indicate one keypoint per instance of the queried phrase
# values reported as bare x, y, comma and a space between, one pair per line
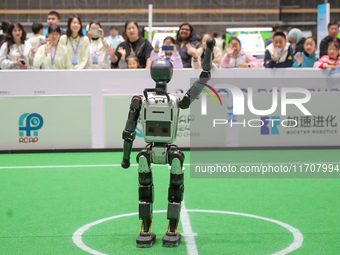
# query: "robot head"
161, 72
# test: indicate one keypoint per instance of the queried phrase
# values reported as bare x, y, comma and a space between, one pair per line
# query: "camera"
167, 47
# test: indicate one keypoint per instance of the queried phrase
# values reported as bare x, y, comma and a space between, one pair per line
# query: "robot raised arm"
198, 85
129, 132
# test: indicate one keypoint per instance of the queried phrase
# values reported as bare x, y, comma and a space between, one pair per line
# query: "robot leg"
146, 238
176, 188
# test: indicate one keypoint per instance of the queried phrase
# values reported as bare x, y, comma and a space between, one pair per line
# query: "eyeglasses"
185, 29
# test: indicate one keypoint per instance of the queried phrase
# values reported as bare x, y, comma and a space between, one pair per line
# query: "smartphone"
22, 62
167, 47
96, 32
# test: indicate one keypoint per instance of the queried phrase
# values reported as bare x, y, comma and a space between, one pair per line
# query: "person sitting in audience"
76, 43
235, 57
38, 37
185, 36
15, 52
52, 55
99, 47
333, 31
134, 45
330, 61
115, 38
296, 40
306, 58
3, 30
279, 53
171, 55
198, 54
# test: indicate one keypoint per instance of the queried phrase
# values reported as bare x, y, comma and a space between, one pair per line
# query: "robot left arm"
205, 76
129, 132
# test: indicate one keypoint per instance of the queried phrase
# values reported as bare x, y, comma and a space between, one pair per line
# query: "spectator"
198, 54
185, 36
134, 45
269, 39
306, 58
171, 55
279, 53
296, 40
115, 38
333, 30
99, 47
220, 42
76, 43
3, 30
235, 57
330, 61
38, 37
53, 17
15, 52
52, 55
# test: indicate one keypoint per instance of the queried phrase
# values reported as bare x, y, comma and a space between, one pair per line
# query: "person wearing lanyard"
99, 47
15, 52
135, 45
76, 43
52, 55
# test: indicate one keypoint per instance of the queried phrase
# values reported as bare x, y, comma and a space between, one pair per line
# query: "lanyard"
21, 51
95, 50
75, 51
55, 51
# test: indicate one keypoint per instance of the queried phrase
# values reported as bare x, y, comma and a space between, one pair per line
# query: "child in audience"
330, 61
235, 57
306, 58
171, 55
278, 54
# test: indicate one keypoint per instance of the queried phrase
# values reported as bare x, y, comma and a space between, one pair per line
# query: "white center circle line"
298, 237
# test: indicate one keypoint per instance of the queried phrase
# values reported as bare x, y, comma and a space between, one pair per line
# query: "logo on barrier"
29, 124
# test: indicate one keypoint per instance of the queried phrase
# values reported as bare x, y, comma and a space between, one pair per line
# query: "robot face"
161, 70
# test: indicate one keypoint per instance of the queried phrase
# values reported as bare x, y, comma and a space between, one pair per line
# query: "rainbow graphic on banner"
213, 90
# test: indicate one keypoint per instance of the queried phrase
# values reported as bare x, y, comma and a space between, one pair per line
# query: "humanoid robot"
159, 113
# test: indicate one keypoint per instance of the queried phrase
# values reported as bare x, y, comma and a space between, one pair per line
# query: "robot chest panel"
159, 119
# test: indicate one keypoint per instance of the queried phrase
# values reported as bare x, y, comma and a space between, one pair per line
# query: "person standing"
52, 55
185, 36
15, 51
76, 43
333, 30
115, 38
99, 47
38, 37
134, 45
53, 17
269, 39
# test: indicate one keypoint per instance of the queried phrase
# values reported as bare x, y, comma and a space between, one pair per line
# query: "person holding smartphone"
169, 52
52, 55
99, 47
76, 43
15, 52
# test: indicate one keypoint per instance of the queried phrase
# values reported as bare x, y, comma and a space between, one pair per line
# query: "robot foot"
145, 240
171, 239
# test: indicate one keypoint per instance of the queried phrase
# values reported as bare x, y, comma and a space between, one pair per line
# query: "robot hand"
125, 163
